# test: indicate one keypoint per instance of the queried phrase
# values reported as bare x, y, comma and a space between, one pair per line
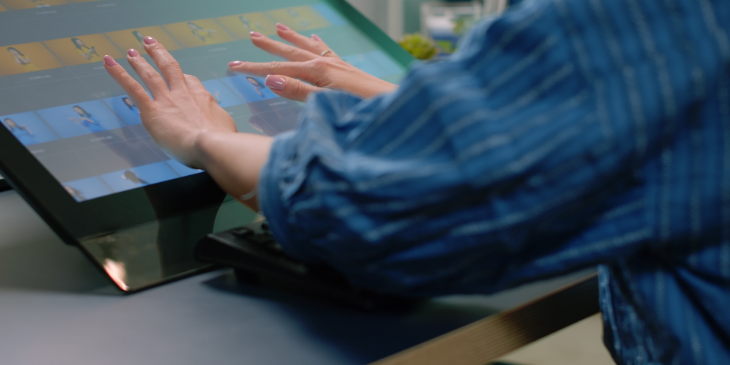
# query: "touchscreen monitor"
57, 100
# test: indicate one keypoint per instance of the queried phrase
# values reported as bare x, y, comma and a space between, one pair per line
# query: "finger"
280, 49
167, 64
148, 74
127, 82
289, 88
314, 45
299, 70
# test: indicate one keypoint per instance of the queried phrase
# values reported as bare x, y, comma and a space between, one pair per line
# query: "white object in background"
494, 7
386, 14
395, 19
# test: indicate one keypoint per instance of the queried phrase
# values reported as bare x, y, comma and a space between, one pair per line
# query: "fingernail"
133, 53
275, 82
149, 40
316, 38
282, 26
109, 60
235, 63
256, 34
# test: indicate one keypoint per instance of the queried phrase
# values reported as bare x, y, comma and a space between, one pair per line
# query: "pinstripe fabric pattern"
562, 135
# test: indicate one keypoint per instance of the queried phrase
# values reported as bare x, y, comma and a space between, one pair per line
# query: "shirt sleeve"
480, 173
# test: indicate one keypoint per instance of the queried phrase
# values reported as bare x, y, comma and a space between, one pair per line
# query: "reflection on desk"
55, 307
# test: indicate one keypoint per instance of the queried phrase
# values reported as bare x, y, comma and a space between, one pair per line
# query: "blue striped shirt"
564, 134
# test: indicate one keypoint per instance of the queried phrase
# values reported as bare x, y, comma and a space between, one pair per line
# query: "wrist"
201, 148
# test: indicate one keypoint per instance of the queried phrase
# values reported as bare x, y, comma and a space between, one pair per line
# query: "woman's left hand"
176, 116
311, 60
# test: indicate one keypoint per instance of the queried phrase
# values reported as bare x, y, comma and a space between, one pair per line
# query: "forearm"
235, 160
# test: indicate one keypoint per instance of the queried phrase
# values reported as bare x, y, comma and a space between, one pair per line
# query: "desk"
56, 308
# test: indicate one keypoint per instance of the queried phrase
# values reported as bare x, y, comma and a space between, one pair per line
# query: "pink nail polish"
316, 38
256, 34
133, 53
235, 63
109, 60
149, 41
282, 26
275, 82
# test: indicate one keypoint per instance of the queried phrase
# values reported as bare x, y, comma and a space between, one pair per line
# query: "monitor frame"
74, 221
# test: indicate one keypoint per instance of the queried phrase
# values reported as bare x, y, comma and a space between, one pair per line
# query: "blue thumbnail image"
329, 14
86, 189
28, 128
249, 88
222, 94
387, 65
181, 169
137, 177
364, 63
81, 118
125, 108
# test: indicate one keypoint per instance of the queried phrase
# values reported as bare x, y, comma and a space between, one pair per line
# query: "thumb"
288, 87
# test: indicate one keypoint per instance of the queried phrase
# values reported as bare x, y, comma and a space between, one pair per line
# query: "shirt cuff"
271, 197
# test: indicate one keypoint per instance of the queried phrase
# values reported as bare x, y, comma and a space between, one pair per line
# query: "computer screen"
58, 101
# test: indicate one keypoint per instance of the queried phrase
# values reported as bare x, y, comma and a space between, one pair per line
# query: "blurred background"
420, 23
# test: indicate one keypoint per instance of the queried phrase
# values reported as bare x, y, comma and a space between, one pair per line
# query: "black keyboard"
254, 253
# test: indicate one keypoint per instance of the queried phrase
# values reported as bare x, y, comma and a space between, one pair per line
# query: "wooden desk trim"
493, 337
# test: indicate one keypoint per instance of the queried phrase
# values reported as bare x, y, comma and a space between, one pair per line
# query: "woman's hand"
179, 116
311, 60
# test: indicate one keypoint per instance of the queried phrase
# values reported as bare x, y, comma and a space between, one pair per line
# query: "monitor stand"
4, 184
160, 251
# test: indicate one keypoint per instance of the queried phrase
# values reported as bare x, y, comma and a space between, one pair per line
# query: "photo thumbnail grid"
90, 48
99, 147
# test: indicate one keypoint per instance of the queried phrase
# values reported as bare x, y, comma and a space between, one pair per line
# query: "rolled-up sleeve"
480, 173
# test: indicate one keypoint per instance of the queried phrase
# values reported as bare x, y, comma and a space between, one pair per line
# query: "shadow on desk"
379, 333
48, 266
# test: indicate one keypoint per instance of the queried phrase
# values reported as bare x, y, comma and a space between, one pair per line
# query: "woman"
130, 104
562, 135
255, 27
22, 60
257, 86
301, 22
131, 176
200, 33
139, 37
89, 53
87, 120
21, 132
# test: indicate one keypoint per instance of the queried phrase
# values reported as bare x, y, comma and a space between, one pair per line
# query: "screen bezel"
73, 220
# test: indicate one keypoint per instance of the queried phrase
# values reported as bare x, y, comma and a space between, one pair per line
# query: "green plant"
419, 46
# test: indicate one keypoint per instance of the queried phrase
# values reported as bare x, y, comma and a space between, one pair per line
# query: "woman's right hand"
308, 61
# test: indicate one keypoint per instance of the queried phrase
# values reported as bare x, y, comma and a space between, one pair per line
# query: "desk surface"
56, 308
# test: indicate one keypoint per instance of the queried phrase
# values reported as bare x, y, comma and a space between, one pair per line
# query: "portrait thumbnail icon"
198, 33
242, 25
28, 128
30, 4
86, 189
83, 49
28, 57
81, 118
299, 18
134, 38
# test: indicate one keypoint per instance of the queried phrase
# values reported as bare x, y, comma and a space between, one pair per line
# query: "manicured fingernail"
235, 63
282, 26
109, 60
133, 53
316, 38
256, 34
275, 82
149, 40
